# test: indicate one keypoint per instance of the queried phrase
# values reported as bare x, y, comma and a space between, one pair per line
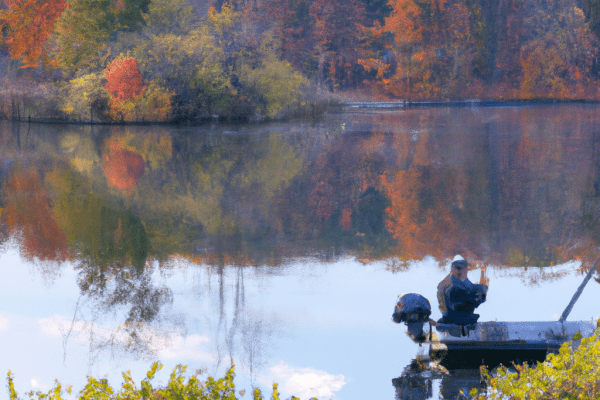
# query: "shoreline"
323, 108
462, 103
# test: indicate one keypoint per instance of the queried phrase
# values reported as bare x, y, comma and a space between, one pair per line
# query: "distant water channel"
283, 247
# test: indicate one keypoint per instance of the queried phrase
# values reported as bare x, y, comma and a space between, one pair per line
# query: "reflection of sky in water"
321, 330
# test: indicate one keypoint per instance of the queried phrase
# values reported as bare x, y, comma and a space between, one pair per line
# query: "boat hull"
494, 343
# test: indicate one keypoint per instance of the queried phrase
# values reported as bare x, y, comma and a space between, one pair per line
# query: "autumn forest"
196, 60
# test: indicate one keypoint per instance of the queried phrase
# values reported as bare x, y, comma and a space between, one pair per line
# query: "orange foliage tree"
29, 24
29, 212
432, 46
123, 79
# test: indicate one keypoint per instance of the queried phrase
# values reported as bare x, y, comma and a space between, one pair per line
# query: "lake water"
284, 246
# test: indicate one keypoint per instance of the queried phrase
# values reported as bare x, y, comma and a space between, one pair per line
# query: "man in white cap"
458, 296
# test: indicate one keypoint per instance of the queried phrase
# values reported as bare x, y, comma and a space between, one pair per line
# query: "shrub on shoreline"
573, 373
178, 387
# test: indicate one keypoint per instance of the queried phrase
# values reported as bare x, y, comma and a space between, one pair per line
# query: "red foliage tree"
123, 79
29, 25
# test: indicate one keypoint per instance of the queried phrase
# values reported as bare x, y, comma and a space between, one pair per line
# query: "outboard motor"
411, 307
414, 310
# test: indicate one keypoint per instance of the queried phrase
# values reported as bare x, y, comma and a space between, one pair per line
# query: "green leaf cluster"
190, 65
86, 29
274, 83
177, 388
572, 373
213, 68
170, 16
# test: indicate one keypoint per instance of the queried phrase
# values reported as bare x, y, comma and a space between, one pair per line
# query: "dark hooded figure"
458, 296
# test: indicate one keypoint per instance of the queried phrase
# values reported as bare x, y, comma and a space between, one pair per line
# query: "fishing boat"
489, 343
493, 343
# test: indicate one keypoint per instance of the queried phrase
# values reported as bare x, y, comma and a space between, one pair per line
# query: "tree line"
137, 60
158, 60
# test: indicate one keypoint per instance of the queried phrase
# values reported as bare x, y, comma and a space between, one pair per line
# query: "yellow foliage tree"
154, 105
274, 82
85, 98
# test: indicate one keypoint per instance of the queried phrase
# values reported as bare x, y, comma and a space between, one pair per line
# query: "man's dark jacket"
458, 300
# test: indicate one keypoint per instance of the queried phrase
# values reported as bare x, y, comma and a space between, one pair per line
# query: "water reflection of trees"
505, 195
141, 308
511, 194
28, 214
510, 187
239, 332
55, 217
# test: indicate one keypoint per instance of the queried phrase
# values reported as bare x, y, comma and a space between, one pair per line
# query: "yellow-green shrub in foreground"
570, 374
178, 388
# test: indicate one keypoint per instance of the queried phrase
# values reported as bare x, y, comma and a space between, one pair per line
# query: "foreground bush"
573, 373
177, 388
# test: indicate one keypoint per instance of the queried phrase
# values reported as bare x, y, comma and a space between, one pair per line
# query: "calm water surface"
283, 247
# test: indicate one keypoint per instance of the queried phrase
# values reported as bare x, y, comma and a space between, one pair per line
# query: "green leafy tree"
83, 33
192, 67
130, 14
274, 84
170, 16
87, 28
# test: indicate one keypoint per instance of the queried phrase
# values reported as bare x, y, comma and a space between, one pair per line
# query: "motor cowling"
411, 308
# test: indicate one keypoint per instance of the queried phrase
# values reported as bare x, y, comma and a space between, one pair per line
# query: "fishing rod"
567, 311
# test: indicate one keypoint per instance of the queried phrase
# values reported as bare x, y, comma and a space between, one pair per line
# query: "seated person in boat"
458, 296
